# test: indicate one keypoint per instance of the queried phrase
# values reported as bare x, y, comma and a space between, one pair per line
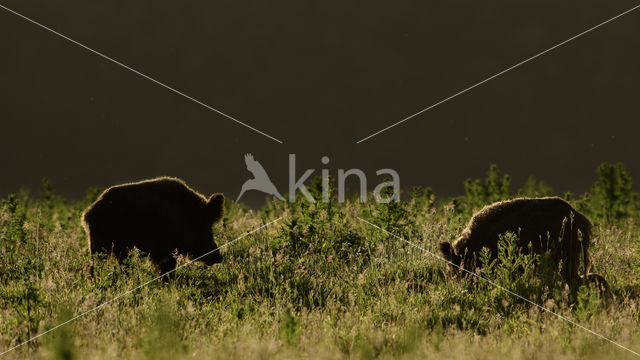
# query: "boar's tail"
586, 228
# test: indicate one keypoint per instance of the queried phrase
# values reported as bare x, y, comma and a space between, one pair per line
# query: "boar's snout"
213, 258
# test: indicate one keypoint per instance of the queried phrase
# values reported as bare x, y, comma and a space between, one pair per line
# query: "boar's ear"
446, 249
215, 207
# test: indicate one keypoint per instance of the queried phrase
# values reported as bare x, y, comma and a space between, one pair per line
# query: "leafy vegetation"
320, 283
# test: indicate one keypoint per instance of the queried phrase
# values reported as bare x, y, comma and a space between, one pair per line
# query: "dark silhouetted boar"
157, 216
543, 224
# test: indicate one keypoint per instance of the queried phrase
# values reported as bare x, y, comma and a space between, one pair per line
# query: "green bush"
494, 187
612, 198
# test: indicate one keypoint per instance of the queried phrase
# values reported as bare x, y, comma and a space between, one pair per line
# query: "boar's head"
199, 240
449, 254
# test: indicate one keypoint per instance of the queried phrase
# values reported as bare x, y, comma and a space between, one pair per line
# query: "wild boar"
543, 224
157, 216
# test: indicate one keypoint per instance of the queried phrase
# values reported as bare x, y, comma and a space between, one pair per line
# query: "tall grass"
319, 283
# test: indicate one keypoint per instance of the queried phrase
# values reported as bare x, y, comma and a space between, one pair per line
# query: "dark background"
318, 75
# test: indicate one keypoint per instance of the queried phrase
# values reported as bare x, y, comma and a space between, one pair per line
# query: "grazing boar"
543, 224
157, 216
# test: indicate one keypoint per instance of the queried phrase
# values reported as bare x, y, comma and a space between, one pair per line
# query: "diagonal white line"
502, 288
140, 73
496, 75
137, 288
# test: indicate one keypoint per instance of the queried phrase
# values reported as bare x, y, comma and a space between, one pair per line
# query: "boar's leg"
166, 265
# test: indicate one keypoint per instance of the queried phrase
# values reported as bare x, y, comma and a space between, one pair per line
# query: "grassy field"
319, 283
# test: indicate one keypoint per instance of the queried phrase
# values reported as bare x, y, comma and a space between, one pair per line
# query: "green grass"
319, 283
